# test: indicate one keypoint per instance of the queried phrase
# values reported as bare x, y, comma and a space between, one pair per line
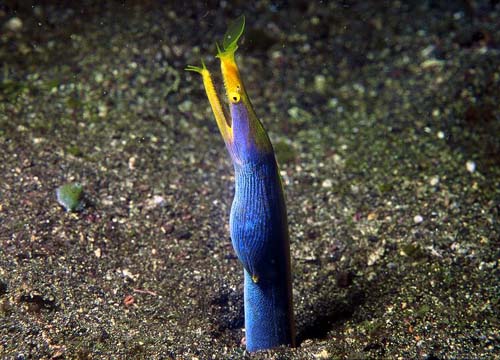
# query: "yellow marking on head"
230, 74
255, 278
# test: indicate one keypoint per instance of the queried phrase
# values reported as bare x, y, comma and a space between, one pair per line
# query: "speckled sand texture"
386, 123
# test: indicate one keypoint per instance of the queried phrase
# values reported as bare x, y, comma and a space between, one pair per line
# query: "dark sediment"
386, 122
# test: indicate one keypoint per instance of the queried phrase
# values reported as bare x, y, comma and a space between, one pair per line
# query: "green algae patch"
70, 196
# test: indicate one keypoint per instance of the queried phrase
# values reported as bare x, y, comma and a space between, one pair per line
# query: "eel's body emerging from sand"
258, 220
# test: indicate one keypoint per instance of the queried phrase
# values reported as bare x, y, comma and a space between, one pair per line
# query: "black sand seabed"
385, 120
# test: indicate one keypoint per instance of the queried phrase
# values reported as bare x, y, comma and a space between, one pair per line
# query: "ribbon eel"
258, 220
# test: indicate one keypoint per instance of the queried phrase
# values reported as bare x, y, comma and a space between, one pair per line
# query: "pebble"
103, 110
186, 106
434, 180
428, 51
375, 256
320, 83
431, 63
293, 112
323, 354
333, 102
302, 115
358, 88
14, 24
131, 163
470, 166
98, 77
155, 201
159, 200
418, 219
327, 183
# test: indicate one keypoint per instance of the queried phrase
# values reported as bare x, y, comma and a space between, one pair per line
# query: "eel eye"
234, 97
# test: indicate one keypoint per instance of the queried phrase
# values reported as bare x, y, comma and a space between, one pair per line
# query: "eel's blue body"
260, 239
258, 220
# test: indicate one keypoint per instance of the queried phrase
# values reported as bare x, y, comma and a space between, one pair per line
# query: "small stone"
327, 183
159, 200
293, 112
155, 201
418, 219
333, 102
487, 266
358, 88
434, 180
14, 24
98, 77
371, 216
337, 159
375, 256
320, 83
102, 110
428, 51
323, 354
186, 106
440, 135
470, 166
131, 163
299, 115
128, 274
431, 63
315, 20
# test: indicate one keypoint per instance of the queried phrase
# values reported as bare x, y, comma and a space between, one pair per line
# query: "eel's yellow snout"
242, 132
